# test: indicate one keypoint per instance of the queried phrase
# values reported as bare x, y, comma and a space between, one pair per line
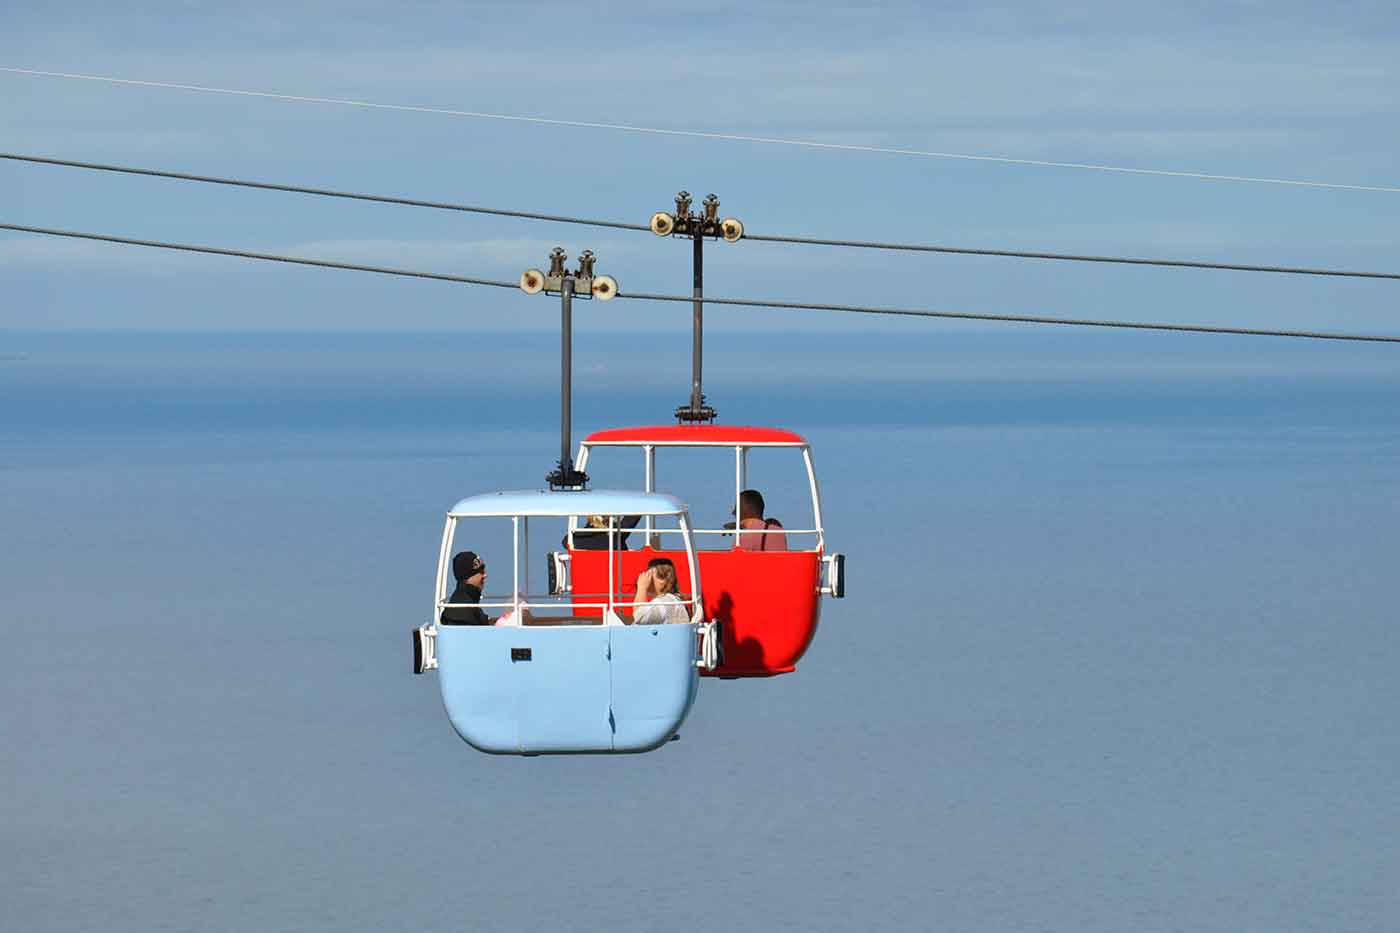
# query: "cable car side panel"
478, 690
768, 602
535, 690
648, 701
523, 690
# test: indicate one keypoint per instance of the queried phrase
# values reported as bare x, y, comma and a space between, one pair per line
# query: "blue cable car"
567, 673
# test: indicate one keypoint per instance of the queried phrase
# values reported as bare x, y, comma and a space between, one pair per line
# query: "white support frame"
697, 609
816, 498
525, 549
440, 591
649, 453
521, 599
515, 564
612, 564
748, 531
741, 475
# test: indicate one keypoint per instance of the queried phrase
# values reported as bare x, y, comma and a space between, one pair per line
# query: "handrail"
526, 604
726, 531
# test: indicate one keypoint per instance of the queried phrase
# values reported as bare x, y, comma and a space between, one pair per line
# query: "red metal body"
768, 602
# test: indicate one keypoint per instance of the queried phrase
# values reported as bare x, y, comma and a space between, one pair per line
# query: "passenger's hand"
646, 580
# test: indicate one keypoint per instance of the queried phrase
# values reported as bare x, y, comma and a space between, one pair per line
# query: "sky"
1119, 645
1286, 91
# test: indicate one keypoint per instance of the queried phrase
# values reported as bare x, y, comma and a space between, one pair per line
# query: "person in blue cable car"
657, 602
557, 674
470, 573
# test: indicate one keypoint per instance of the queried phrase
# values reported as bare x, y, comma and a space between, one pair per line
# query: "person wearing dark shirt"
470, 571
595, 538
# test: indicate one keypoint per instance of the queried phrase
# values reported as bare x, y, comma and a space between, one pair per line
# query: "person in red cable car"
764, 579
596, 538
766, 533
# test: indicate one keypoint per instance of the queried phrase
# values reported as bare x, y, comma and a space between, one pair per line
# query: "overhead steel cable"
742, 302
269, 257
769, 238
321, 192
704, 134
1073, 257
1014, 318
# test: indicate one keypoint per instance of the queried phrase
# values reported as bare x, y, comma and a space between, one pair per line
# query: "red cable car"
767, 600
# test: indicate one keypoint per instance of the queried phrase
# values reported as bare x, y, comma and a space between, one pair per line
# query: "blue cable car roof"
563, 504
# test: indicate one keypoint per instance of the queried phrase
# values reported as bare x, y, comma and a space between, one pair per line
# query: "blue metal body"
582, 689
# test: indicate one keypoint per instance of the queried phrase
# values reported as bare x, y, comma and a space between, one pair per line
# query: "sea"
1118, 650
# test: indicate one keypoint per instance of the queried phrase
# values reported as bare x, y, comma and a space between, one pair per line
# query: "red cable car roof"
720, 435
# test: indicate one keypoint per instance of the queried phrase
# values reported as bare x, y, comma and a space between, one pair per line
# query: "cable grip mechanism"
587, 283
706, 223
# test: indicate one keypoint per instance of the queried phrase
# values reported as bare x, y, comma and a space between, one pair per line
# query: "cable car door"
513, 690
654, 682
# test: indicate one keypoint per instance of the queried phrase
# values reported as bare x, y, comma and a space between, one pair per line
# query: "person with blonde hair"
657, 602
597, 529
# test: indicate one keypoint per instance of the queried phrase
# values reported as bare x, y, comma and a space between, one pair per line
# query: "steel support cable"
618, 225
741, 302
700, 134
1014, 318
1073, 257
321, 192
245, 254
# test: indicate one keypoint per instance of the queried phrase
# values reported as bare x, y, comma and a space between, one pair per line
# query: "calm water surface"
1119, 651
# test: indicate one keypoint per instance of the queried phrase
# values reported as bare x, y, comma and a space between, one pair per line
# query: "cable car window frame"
523, 599
741, 450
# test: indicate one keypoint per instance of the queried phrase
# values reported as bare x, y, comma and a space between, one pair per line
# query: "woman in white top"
657, 602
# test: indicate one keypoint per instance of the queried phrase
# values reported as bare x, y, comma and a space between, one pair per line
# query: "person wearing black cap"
470, 571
